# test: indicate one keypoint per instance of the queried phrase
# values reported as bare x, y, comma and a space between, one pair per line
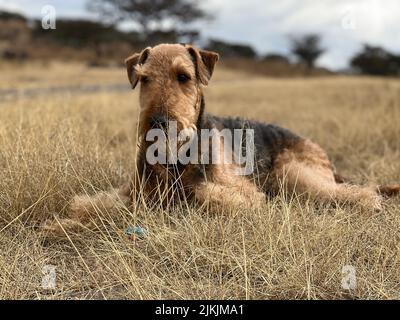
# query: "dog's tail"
389, 190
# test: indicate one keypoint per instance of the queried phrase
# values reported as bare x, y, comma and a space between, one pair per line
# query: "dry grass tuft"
54, 147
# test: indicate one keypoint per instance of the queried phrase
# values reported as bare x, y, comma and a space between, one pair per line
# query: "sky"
267, 24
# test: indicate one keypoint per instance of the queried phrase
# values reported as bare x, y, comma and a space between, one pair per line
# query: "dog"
171, 79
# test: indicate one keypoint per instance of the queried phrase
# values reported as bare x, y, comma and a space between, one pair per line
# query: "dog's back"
269, 139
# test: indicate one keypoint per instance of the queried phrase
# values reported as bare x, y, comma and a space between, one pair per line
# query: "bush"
376, 61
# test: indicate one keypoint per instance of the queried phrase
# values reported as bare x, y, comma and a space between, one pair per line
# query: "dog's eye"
144, 79
182, 78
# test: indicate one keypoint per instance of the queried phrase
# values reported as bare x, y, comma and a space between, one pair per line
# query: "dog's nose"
159, 121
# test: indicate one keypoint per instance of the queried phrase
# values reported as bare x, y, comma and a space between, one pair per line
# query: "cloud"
343, 24
32, 8
10, 5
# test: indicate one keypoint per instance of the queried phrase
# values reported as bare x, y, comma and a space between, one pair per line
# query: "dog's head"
170, 77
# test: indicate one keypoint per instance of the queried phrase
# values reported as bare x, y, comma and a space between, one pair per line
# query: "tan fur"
228, 189
163, 94
306, 169
84, 211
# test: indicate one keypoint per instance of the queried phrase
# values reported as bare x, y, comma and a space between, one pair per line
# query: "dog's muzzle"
159, 122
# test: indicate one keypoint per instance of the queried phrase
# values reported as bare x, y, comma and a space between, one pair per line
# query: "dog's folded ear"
134, 60
204, 62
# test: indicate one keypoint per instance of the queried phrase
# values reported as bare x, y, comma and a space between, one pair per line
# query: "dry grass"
53, 147
41, 74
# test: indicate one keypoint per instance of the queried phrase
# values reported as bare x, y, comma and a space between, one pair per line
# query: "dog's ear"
204, 62
132, 61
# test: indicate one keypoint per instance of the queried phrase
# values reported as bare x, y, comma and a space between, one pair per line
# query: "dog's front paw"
60, 228
257, 200
82, 208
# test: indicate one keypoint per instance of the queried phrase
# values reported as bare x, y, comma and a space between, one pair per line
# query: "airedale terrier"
171, 78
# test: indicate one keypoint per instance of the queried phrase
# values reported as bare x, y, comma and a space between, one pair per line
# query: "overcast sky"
267, 24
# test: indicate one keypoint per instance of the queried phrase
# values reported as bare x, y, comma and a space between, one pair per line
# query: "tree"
376, 61
5, 15
227, 49
307, 49
151, 15
80, 33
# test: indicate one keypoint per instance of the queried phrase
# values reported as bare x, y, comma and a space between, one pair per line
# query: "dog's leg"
389, 190
307, 169
315, 182
220, 197
85, 209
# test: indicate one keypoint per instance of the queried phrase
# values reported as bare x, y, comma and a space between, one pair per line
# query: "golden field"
55, 144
